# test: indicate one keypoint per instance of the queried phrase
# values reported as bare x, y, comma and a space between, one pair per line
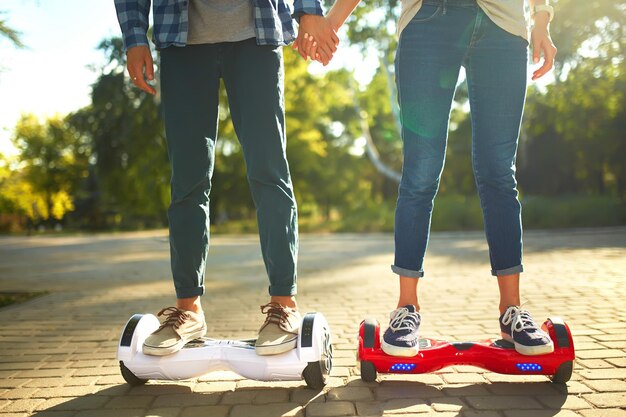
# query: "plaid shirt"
272, 19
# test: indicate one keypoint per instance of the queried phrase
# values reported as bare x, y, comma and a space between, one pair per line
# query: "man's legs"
254, 77
190, 87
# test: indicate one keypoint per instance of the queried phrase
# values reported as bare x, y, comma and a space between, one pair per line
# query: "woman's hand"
542, 44
140, 67
316, 38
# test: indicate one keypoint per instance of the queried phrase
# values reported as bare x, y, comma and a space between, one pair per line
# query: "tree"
11, 34
54, 161
130, 175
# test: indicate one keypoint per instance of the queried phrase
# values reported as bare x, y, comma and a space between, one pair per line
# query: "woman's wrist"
334, 20
541, 19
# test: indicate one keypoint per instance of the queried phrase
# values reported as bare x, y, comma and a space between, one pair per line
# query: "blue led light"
529, 367
402, 367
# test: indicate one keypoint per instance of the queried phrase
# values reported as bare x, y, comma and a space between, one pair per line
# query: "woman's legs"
428, 61
496, 74
429, 57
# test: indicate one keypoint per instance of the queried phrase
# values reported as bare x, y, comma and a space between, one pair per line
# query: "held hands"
317, 38
140, 67
542, 44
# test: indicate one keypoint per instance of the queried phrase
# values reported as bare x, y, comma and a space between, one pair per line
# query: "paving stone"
217, 386
350, 394
504, 402
111, 413
182, 400
535, 388
204, 411
463, 378
268, 410
90, 402
607, 400
599, 353
619, 362
333, 408
65, 392
607, 385
24, 405
463, 390
255, 396
603, 412
50, 413
14, 383
16, 394
619, 373
174, 412
304, 396
539, 413
134, 401
570, 402
397, 390
482, 413
447, 404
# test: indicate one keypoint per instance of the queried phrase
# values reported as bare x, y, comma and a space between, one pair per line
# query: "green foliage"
130, 175
8, 298
572, 211
575, 134
54, 162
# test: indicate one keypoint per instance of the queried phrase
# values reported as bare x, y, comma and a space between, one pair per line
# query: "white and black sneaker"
402, 336
518, 327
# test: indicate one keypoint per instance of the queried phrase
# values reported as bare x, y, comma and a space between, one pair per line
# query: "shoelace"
521, 320
276, 314
401, 320
175, 317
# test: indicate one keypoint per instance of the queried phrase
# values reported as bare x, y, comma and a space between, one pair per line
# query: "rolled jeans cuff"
407, 272
283, 291
189, 292
509, 271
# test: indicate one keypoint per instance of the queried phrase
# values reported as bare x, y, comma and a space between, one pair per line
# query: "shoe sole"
530, 350
404, 352
164, 351
268, 350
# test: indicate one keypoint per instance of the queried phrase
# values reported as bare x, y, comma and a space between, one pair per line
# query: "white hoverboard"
311, 359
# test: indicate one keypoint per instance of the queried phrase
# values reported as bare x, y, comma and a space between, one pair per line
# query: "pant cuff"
189, 292
509, 271
407, 272
284, 291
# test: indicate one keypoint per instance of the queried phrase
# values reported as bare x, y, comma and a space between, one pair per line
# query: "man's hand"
542, 44
140, 67
316, 38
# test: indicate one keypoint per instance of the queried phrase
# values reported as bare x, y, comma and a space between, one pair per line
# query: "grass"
458, 212
9, 298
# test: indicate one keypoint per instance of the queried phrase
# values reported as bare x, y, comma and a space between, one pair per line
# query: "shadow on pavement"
541, 399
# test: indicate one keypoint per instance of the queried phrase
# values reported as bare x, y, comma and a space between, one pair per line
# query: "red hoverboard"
497, 356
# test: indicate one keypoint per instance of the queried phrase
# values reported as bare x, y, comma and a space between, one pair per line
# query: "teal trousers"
254, 77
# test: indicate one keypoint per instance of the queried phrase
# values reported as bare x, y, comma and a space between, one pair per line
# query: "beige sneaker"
279, 333
178, 328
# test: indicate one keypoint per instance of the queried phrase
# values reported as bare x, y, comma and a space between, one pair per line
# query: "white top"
508, 14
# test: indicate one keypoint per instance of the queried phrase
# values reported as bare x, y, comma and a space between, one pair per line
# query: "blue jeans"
442, 37
253, 77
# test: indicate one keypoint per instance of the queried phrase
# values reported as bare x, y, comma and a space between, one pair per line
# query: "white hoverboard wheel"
315, 373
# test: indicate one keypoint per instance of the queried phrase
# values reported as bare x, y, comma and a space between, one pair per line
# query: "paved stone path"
57, 353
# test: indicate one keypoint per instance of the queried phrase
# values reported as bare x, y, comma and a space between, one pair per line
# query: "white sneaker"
178, 328
279, 333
